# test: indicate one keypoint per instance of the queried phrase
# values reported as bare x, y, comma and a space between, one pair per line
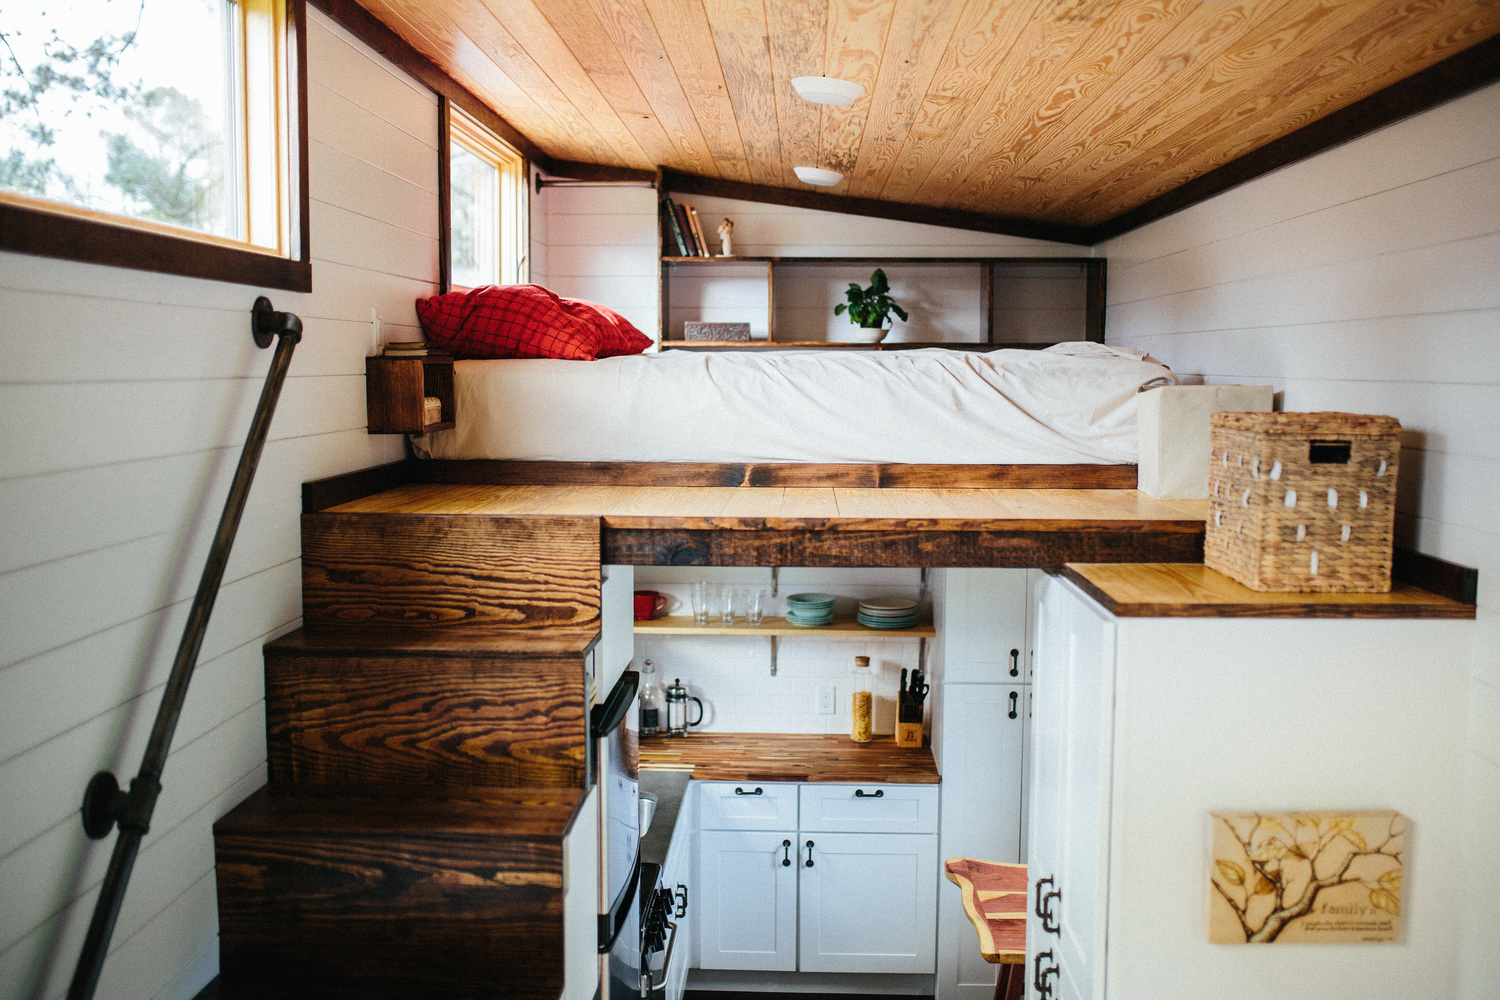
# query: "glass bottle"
863, 708
651, 700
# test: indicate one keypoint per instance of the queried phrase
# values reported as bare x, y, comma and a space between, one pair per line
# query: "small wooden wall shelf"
776, 625
396, 387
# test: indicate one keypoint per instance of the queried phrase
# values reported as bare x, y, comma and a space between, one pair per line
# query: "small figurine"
725, 228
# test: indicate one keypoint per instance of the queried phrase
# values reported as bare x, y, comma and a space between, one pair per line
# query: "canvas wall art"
1305, 876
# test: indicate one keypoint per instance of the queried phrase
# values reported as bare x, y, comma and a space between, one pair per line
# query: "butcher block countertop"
790, 757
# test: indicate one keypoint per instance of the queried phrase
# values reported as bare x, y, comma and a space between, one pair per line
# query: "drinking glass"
734, 604
755, 605
705, 602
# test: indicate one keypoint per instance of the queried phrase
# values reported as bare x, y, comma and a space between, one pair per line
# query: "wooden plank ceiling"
1061, 111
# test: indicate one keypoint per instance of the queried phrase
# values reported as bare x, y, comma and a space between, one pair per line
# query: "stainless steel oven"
614, 728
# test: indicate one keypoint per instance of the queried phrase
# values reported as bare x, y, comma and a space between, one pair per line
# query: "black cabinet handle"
1043, 908
860, 793
1041, 979
809, 854
682, 896
786, 854
1015, 663
1013, 699
740, 791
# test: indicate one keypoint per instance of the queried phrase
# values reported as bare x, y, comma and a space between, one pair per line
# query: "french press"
677, 700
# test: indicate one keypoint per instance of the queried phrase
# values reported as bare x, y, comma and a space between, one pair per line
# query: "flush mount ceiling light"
818, 176
826, 89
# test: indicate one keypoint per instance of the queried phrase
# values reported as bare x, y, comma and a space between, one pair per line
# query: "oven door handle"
652, 984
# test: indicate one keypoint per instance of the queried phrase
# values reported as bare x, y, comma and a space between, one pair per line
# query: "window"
156, 133
488, 207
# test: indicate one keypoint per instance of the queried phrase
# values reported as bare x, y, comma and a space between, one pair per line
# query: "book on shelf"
686, 222
698, 233
669, 209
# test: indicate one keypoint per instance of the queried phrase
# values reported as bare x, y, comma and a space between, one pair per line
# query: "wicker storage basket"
1303, 501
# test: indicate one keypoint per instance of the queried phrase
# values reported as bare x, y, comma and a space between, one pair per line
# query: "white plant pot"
870, 335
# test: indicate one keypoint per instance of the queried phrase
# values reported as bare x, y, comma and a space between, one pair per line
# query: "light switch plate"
826, 698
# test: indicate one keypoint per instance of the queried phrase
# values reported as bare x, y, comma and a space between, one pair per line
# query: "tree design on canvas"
1306, 876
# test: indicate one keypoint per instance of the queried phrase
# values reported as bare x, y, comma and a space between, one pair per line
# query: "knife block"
909, 734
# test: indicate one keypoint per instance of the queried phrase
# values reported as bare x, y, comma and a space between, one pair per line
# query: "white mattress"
1073, 403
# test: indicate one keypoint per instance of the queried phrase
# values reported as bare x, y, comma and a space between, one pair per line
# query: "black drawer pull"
809, 854
1013, 699
740, 791
1043, 908
682, 896
1015, 663
786, 854
860, 793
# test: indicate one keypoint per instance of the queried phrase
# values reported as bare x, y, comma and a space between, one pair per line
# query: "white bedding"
1073, 403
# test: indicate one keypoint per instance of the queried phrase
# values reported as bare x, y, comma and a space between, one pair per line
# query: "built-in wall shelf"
773, 625
959, 303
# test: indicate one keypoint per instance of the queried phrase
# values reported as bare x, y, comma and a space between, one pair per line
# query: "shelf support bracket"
775, 584
922, 590
773, 655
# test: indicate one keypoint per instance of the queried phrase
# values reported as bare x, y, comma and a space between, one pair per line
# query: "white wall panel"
126, 396
1366, 279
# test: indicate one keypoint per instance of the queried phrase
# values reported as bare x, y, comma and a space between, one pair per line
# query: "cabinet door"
981, 816
982, 618
747, 900
1072, 753
869, 902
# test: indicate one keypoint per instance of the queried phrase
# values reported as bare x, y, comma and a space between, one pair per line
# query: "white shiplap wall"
1367, 279
603, 242
125, 396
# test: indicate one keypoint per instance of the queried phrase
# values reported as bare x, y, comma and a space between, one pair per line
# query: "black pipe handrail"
105, 805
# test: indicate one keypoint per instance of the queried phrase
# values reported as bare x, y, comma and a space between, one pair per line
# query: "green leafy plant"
870, 308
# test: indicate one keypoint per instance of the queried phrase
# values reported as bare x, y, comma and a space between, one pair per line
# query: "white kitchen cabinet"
980, 742
616, 625
678, 877
1144, 725
747, 900
867, 902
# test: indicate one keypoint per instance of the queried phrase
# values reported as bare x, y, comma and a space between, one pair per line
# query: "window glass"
488, 207
171, 112
476, 219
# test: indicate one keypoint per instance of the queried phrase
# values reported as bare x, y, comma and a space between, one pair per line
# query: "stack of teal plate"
809, 609
888, 612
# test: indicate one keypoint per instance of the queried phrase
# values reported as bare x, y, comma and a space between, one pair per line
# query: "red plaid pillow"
616, 335
525, 321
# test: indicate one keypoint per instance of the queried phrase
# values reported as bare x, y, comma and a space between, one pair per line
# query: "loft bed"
923, 458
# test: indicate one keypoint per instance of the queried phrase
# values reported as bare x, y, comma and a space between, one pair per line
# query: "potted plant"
870, 308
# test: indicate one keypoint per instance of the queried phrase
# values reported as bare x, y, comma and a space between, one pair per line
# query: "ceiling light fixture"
826, 89
817, 176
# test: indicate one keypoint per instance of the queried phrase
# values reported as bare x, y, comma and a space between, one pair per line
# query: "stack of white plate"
809, 609
888, 612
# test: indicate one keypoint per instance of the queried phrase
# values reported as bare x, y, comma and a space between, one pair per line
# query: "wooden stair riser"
421, 570
402, 896
418, 911
407, 719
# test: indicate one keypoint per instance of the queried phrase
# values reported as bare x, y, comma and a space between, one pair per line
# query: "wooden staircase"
427, 734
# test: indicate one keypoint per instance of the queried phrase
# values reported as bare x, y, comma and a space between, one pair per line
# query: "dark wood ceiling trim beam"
682, 183
1474, 67
597, 171
369, 29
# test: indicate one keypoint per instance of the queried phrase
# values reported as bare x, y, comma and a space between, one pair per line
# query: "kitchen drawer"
747, 805
870, 808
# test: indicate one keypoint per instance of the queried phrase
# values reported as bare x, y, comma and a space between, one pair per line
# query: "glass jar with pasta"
862, 726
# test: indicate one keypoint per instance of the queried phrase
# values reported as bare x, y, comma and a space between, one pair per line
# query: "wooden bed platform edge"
321, 494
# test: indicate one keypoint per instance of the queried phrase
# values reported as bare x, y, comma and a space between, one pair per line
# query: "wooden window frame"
457, 123
97, 238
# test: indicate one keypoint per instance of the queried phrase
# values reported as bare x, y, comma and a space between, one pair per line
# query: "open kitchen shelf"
776, 625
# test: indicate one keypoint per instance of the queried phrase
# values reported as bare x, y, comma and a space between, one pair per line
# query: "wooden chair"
995, 900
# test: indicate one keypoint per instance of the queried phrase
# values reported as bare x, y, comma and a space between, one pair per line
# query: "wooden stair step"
467, 708
393, 892
446, 570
